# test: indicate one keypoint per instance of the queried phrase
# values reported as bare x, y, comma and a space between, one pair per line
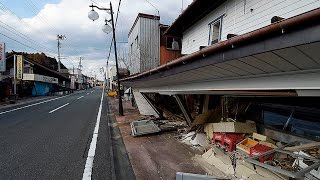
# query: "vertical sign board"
2, 57
19, 67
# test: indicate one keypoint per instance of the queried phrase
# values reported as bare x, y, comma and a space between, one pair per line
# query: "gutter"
281, 27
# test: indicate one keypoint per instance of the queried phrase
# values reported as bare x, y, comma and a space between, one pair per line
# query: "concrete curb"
113, 171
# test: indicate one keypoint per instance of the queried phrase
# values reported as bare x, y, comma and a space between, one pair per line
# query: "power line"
45, 20
153, 7
114, 29
97, 3
5, 9
20, 42
24, 36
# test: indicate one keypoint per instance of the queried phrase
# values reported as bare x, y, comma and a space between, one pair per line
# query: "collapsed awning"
284, 56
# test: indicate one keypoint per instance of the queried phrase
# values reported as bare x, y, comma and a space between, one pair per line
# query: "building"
207, 23
35, 80
123, 72
78, 80
149, 46
143, 41
168, 51
259, 52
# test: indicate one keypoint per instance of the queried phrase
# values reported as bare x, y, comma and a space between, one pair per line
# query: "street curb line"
113, 170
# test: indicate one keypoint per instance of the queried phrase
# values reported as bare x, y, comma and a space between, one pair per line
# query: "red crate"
259, 149
218, 138
231, 140
227, 140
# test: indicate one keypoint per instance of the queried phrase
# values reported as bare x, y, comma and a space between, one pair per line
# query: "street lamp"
106, 28
93, 15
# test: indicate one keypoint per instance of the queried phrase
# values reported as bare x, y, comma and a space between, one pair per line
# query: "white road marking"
80, 97
92, 91
88, 93
87, 173
58, 108
30, 105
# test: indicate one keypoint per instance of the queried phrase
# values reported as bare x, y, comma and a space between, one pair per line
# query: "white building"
77, 78
144, 42
232, 17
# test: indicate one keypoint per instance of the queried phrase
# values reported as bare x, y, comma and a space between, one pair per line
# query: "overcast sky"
36, 23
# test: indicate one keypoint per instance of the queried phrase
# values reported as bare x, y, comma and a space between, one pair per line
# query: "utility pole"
116, 58
107, 76
14, 74
80, 70
60, 38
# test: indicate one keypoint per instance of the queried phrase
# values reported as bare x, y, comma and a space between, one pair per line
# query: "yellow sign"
19, 67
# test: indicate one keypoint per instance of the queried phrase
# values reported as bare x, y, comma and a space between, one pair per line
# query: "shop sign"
40, 78
19, 67
2, 57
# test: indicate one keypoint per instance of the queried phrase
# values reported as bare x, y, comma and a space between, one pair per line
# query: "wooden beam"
303, 147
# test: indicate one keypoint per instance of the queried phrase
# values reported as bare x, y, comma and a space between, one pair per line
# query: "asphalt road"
51, 140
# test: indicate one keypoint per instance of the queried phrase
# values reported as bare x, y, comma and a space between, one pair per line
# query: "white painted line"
30, 105
87, 173
88, 93
80, 97
58, 108
92, 91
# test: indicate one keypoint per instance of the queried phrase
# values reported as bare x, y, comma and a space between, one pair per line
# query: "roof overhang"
284, 56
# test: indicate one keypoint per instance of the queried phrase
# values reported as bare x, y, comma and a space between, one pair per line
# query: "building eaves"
192, 14
41, 66
302, 21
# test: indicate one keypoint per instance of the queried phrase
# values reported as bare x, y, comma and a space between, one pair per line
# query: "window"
215, 31
173, 43
131, 47
136, 40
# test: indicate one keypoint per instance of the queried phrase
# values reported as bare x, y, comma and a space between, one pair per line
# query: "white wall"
145, 53
238, 19
134, 53
149, 43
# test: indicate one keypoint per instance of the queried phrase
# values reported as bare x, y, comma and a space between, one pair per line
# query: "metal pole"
59, 68
107, 76
116, 57
14, 75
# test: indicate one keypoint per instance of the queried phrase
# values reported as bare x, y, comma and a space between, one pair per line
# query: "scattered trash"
197, 140
285, 165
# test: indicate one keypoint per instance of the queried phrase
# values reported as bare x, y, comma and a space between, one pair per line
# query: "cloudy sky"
33, 25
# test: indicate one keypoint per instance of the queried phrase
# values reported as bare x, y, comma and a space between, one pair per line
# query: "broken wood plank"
303, 147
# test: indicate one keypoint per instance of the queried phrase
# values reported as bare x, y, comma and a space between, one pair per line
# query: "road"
54, 139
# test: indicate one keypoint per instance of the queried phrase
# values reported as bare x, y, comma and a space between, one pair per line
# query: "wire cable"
115, 26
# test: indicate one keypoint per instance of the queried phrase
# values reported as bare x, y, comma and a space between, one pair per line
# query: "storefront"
43, 85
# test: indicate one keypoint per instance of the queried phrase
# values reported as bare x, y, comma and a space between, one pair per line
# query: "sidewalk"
157, 156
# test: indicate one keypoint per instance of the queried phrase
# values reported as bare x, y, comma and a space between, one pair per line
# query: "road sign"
2, 57
19, 67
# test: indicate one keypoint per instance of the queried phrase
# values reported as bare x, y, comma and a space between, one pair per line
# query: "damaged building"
248, 69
